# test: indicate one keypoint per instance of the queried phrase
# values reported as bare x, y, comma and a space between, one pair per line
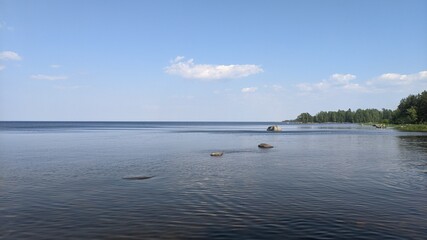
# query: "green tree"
349, 116
412, 115
412, 109
422, 107
305, 118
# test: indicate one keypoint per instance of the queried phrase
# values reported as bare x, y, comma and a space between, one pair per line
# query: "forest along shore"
410, 115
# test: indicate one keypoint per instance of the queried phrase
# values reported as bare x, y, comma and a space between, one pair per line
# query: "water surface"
65, 180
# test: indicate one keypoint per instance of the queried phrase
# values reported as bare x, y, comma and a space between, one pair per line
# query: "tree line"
411, 110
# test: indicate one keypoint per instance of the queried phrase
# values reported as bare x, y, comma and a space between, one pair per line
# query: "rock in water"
138, 178
274, 128
217, 154
265, 145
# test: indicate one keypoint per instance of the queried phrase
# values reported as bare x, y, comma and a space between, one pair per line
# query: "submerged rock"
274, 128
138, 178
265, 145
217, 154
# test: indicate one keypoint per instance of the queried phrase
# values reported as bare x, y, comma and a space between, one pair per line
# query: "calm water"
65, 180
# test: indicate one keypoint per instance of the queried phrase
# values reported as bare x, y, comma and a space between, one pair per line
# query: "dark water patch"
414, 151
138, 178
418, 141
254, 150
237, 151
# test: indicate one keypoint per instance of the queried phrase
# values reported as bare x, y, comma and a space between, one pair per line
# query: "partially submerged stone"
265, 145
138, 178
217, 154
274, 128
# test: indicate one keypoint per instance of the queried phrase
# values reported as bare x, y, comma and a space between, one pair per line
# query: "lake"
323, 181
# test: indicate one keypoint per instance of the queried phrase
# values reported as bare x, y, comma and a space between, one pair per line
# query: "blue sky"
207, 60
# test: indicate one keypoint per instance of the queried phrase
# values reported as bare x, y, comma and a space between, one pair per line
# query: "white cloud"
48, 77
342, 78
2, 67
384, 82
305, 87
402, 79
55, 66
309, 87
9, 55
277, 87
188, 69
336, 80
353, 86
398, 82
392, 76
178, 58
249, 89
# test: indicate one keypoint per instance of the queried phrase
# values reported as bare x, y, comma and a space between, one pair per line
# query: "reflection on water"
319, 181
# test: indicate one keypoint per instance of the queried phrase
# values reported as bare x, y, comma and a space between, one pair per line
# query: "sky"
213, 60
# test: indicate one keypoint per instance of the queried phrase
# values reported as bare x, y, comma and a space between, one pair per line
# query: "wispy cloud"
223, 91
48, 77
9, 55
249, 89
188, 69
277, 87
55, 66
5, 26
2, 67
71, 87
274, 87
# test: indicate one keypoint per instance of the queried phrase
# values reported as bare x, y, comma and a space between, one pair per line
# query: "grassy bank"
410, 127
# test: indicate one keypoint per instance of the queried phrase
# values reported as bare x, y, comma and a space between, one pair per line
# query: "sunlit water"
65, 181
